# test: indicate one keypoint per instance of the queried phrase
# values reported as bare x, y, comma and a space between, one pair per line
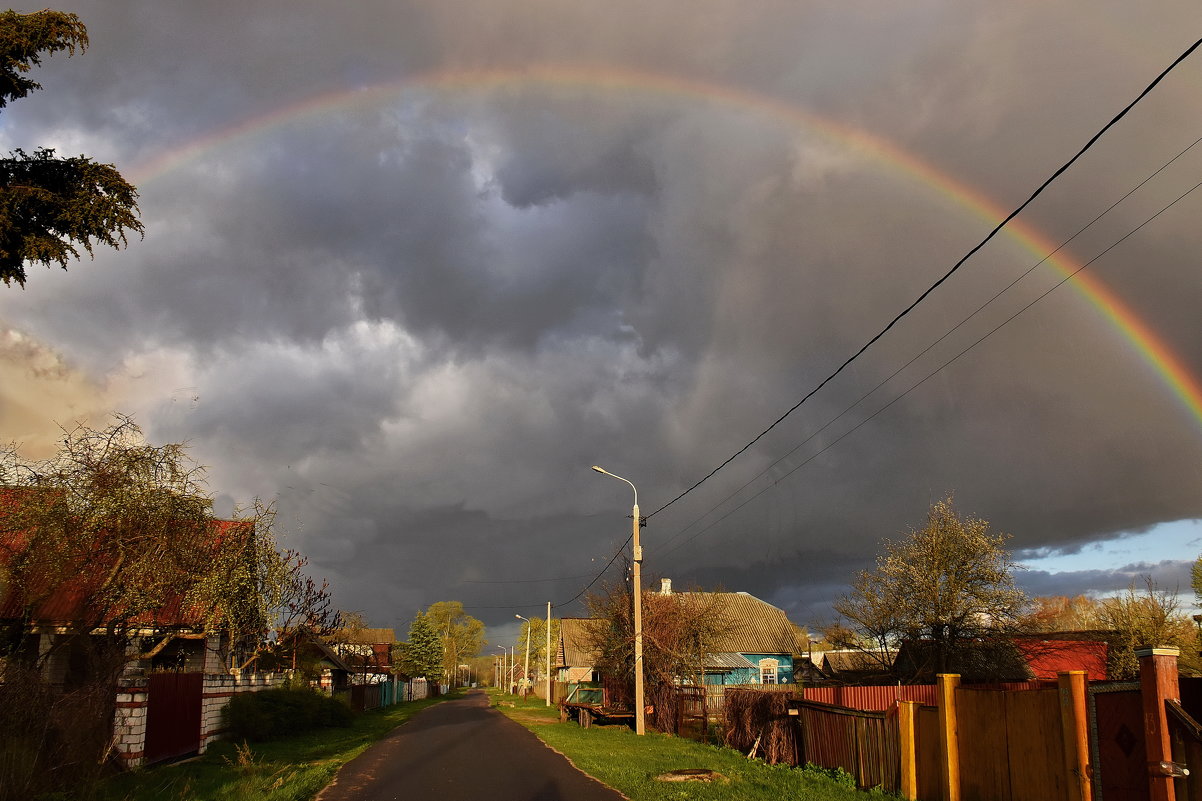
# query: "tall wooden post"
907, 722
949, 736
1158, 683
1074, 728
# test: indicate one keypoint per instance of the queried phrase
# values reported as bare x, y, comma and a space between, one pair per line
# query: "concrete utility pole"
640, 711
526, 674
548, 654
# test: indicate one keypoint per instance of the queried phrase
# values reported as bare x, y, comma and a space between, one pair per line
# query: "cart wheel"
586, 718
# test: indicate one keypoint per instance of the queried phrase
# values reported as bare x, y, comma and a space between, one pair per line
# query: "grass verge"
290, 769
629, 764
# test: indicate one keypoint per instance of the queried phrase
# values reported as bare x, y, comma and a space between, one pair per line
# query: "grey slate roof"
755, 626
574, 649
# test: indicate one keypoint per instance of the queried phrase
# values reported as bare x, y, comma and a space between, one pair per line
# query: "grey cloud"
417, 318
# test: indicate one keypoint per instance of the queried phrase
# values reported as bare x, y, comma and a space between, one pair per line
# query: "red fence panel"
173, 715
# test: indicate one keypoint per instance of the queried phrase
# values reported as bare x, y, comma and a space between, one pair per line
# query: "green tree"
537, 627
111, 540
462, 635
945, 588
421, 656
51, 207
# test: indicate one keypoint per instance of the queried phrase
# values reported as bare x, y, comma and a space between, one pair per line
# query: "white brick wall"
129, 724
218, 689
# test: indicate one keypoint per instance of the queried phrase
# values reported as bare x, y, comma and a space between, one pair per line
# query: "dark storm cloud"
418, 319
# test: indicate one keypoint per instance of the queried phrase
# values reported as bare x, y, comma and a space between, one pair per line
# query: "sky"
411, 268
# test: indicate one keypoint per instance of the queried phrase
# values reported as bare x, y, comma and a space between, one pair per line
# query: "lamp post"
526, 669
640, 722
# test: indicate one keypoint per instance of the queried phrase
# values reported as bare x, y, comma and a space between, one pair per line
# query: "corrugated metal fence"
864, 744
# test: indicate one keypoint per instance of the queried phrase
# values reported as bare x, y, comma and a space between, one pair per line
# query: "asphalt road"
463, 749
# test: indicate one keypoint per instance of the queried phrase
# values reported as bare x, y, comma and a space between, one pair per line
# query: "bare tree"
1148, 617
679, 633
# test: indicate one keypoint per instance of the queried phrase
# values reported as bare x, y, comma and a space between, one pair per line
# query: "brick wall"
217, 692
129, 722
133, 698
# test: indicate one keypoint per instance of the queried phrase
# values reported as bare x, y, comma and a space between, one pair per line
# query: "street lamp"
526, 673
640, 723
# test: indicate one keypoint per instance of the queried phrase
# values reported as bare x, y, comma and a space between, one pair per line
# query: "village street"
462, 749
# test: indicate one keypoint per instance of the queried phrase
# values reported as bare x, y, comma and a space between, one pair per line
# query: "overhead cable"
1114, 120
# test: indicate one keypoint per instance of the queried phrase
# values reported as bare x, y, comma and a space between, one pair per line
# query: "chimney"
665, 586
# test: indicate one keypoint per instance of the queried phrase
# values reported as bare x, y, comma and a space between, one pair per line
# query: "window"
768, 670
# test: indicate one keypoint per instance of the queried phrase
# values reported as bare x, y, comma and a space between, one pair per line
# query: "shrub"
282, 711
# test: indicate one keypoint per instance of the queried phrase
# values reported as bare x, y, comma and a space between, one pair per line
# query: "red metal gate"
1117, 742
173, 715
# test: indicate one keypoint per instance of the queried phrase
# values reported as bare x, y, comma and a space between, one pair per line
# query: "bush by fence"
286, 710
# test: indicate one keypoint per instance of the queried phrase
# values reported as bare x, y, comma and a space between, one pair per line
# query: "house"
367, 652
575, 658
43, 622
757, 643
856, 666
1050, 653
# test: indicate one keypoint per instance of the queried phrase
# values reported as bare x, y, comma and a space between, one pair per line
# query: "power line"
945, 276
897, 318
524, 581
928, 348
937, 370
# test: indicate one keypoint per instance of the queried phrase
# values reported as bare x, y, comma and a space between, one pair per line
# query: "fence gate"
1116, 742
173, 715
1011, 745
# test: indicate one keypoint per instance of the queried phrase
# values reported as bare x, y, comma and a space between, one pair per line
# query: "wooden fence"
974, 743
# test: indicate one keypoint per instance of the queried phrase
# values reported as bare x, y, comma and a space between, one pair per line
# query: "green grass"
291, 769
628, 763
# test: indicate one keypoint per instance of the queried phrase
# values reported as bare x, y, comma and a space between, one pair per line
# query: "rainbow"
1151, 348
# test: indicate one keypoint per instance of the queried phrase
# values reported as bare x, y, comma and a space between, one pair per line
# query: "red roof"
67, 602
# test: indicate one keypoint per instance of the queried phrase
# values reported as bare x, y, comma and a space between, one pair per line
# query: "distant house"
575, 659
367, 652
1050, 653
854, 666
757, 645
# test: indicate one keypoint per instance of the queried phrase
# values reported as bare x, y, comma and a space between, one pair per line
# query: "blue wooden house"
758, 645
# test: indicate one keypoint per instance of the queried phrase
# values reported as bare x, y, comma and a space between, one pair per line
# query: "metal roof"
753, 626
574, 646
728, 662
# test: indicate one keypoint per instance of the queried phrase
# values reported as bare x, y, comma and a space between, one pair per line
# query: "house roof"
365, 636
68, 601
727, 662
755, 626
575, 649
327, 654
835, 662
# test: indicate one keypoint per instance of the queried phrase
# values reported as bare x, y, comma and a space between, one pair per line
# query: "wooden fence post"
907, 722
1158, 683
949, 736
1075, 733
